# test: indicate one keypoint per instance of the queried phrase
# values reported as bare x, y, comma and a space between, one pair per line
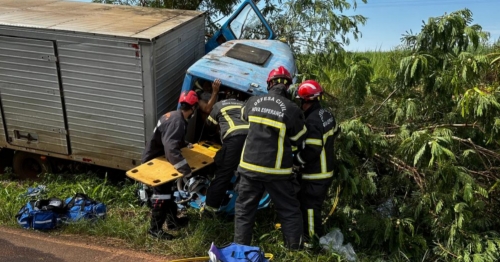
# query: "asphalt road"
20, 245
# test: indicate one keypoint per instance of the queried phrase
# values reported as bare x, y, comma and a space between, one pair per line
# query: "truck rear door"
246, 23
30, 95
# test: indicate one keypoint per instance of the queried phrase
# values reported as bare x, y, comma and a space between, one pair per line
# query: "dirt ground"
28, 245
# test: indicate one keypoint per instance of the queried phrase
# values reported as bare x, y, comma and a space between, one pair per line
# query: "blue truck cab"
241, 54
242, 65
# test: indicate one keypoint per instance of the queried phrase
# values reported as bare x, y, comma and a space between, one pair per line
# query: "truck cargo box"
86, 81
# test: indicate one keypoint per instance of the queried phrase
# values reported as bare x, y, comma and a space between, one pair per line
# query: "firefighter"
233, 131
275, 125
168, 139
207, 94
315, 160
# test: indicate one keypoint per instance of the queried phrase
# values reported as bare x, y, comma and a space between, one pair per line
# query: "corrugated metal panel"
102, 85
173, 54
93, 18
30, 94
102, 81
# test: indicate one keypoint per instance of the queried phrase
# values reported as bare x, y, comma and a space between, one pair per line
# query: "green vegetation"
127, 223
419, 153
418, 158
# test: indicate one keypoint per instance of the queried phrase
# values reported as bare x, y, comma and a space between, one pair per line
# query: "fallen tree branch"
480, 149
402, 165
383, 102
445, 250
456, 125
488, 174
430, 127
383, 128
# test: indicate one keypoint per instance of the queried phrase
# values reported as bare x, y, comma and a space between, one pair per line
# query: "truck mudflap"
159, 171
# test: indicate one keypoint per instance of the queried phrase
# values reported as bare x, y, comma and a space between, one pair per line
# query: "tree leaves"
437, 109
316, 26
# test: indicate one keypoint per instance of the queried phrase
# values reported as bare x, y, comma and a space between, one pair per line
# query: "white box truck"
87, 82
81, 81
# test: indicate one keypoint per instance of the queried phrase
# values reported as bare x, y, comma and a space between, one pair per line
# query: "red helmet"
280, 73
189, 98
309, 90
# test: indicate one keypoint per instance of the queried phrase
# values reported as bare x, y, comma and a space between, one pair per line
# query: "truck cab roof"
244, 64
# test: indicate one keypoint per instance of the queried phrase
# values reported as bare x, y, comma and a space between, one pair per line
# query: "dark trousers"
163, 209
226, 161
312, 196
283, 195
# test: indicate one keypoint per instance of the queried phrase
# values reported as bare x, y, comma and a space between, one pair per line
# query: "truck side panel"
103, 93
109, 73
30, 93
3, 141
174, 53
101, 82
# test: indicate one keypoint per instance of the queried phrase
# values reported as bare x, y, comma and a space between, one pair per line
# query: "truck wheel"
30, 166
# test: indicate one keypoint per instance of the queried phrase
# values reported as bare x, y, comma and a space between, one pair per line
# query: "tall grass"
127, 223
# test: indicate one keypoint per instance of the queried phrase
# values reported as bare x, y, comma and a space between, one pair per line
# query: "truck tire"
30, 166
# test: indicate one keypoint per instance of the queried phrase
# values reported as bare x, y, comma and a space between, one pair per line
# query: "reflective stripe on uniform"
241, 113
181, 163
300, 159
234, 129
327, 134
169, 196
310, 221
281, 138
299, 134
212, 120
322, 157
314, 141
267, 170
226, 116
317, 176
323, 153
324, 173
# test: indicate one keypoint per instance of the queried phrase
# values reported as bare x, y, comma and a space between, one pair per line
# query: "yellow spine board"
159, 171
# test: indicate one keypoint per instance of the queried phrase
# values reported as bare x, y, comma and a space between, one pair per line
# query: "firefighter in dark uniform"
275, 125
168, 139
316, 158
233, 131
